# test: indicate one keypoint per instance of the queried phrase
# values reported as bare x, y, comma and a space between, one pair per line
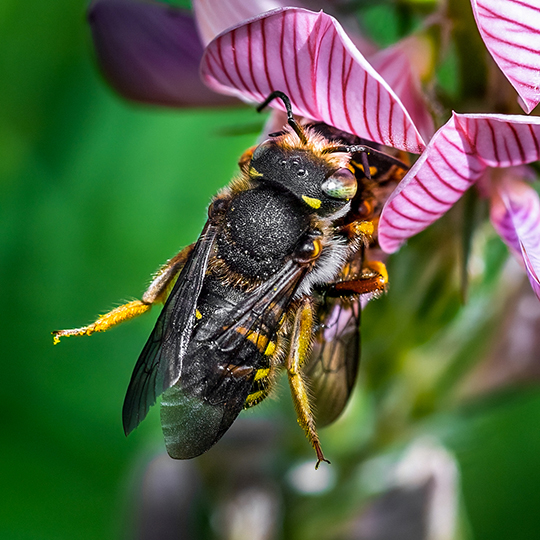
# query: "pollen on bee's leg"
361, 230
365, 228
378, 268
114, 317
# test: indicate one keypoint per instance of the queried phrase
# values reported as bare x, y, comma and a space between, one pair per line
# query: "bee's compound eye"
341, 185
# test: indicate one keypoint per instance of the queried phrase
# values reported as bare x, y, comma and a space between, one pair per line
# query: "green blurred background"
94, 195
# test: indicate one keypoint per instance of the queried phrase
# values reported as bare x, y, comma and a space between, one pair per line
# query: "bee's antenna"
290, 118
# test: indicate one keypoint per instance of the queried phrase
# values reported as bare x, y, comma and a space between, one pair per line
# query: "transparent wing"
218, 372
160, 363
335, 357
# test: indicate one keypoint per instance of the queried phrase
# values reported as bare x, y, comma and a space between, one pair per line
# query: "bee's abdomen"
259, 389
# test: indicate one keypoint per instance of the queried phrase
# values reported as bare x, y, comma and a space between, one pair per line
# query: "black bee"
274, 282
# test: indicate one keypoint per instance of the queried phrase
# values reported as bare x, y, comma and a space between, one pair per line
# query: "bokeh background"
95, 194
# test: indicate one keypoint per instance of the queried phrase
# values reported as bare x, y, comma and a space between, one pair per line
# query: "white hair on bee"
328, 266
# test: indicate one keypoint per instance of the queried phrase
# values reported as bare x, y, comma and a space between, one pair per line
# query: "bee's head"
312, 178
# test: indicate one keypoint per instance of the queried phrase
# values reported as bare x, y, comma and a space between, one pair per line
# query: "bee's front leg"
374, 279
156, 292
300, 346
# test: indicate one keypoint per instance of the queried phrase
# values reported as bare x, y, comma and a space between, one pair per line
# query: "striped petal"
446, 169
515, 214
216, 16
150, 53
502, 140
309, 57
455, 158
511, 31
394, 66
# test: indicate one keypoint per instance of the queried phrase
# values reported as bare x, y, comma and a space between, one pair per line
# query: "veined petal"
502, 140
150, 52
395, 68
511, 31
515, 214
446, 169
309, 57
454, 159
216, 16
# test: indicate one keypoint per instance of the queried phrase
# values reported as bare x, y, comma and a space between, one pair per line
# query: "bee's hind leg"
299, 351
157, 292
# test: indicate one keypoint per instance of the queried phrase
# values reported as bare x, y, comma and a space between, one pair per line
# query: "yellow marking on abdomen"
255, 398
260, 341
261, 374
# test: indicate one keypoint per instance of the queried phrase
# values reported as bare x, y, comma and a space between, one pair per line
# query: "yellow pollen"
365, 227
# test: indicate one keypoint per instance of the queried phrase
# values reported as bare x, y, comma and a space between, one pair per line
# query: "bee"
273, 283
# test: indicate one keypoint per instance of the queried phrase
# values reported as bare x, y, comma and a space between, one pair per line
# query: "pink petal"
309, 57
215, 16
446, 169
150, 52
455, 158
502, 140
515, 214
511, 31
393, 65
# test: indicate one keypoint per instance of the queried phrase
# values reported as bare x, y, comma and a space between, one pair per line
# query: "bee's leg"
299, 350
156, 292
374, 280
161, 285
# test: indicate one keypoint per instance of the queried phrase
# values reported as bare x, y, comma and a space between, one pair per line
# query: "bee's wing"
335, 356
218, 374
262, 311
160, 362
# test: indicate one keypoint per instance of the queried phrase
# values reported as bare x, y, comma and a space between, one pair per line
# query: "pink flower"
309, 57
511, 31
151, 52
473, 148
